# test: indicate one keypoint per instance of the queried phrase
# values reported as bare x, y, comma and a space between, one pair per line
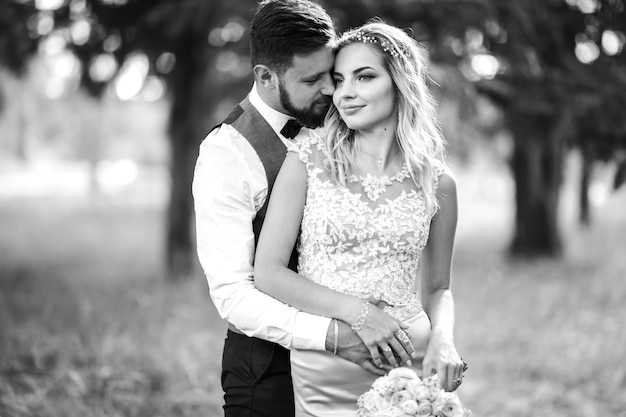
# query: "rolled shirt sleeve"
229, 187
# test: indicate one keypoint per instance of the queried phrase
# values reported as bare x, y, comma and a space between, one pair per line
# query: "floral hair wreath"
359, 36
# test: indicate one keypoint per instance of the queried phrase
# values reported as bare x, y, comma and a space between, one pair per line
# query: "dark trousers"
256, 378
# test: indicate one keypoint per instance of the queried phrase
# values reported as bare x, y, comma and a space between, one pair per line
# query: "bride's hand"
443, 359
383, 334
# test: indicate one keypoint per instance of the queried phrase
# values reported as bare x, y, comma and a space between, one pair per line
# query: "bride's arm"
441, 354
272, 276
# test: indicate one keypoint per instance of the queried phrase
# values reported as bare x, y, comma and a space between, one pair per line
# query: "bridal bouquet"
401, 393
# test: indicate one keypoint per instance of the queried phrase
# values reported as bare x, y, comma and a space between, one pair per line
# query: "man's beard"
311, 117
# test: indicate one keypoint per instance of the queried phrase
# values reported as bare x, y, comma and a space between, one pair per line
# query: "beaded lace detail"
375, 186
358, 245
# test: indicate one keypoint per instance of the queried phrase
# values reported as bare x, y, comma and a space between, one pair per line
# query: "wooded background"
104, 310
553, 69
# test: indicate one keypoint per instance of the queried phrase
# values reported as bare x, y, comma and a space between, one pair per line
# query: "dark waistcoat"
246, 119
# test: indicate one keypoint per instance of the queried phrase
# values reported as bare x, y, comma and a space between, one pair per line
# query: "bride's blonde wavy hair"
417, 131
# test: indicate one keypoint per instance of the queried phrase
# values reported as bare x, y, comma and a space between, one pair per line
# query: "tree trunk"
179, 245
585, 177
536, 165
189, 114
21, 150
620, 173
198, 88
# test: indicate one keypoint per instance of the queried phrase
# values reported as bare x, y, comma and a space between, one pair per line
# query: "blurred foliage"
534, 42
17, 44
551, 75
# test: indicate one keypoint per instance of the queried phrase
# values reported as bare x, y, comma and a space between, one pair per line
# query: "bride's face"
364, 91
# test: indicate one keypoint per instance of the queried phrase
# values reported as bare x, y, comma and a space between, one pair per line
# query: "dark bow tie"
291, 129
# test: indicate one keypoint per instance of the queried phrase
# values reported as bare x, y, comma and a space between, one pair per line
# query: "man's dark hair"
284, 28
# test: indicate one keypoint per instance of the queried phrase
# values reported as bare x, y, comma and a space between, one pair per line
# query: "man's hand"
351, 348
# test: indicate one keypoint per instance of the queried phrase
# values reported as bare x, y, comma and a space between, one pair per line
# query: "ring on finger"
386, 349
402, 336
457, 381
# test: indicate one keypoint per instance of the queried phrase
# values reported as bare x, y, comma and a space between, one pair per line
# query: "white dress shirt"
229, 187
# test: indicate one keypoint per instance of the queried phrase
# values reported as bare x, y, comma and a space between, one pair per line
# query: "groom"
234, 175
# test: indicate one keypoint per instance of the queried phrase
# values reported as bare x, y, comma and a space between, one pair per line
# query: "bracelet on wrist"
336, 337
360, 321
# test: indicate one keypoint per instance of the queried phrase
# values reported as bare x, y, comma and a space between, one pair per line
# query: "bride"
370, 200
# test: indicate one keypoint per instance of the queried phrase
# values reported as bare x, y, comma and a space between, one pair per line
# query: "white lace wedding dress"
359, 239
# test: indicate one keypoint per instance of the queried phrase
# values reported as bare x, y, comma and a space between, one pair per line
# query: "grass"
89, 325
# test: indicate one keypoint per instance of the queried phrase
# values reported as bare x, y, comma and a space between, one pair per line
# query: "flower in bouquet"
403, 393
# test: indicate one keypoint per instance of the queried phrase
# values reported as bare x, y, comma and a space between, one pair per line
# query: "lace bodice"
357, 245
